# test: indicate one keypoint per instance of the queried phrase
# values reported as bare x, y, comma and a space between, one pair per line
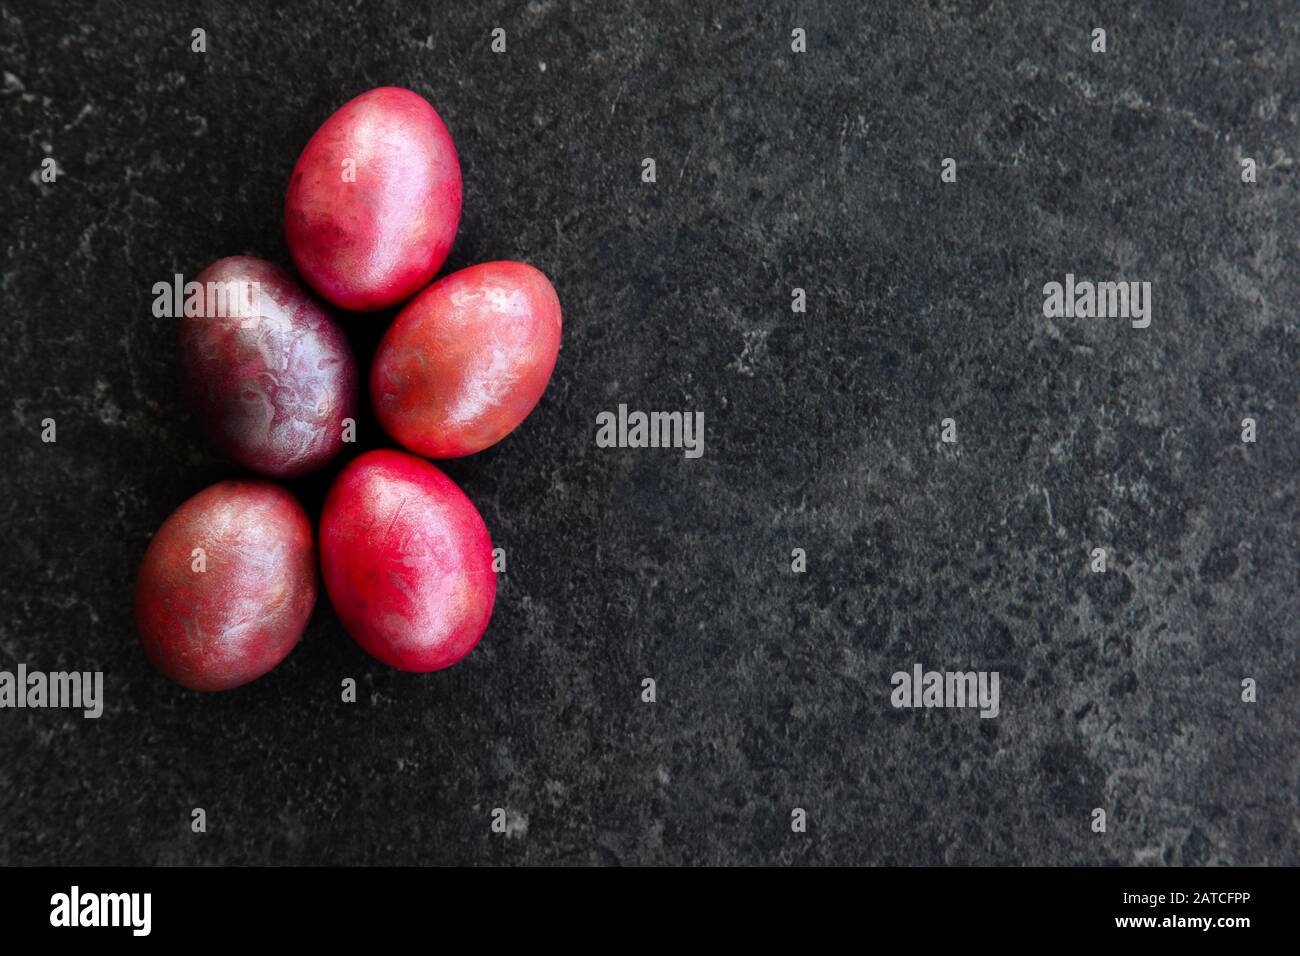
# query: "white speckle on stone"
516, 824
106, 409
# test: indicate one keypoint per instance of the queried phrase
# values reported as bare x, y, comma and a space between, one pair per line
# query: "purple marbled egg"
268, 371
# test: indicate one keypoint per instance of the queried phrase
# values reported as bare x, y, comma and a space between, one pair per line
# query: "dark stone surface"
820, 171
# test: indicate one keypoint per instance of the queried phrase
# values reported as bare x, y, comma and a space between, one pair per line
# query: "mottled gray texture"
775, 171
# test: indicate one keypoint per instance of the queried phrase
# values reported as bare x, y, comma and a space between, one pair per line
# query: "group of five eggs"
230, 579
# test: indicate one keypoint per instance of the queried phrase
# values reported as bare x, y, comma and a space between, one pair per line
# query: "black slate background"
821, 171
